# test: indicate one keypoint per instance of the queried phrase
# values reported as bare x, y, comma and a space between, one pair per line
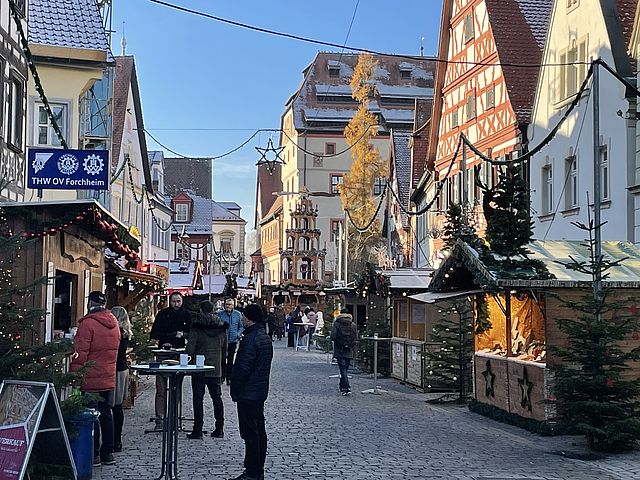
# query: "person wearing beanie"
250, 388
208, 337
96, 344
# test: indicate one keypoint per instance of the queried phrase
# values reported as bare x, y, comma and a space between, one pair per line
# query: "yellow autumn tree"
356, 192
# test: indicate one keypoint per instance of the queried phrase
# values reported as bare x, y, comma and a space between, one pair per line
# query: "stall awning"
409, 278
433, 297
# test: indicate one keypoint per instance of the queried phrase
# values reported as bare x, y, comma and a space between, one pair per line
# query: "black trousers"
198, 383
254, 434
231, 353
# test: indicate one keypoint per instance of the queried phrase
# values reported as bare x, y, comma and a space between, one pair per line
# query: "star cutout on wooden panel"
489, 380
525, 390
270, 157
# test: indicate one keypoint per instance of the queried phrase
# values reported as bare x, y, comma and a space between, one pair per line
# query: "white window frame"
605, 182
572, 76
547, 189
181, 212
571, 189
63, 122
334, 187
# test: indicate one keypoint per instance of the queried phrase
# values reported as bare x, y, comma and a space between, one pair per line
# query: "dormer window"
334, 68
405, 73
181, 212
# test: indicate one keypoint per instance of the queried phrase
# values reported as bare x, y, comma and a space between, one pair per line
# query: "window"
181, 212
571, 171
336, 181
226, 245
182, 251
45, 134
547, 189
571, 76
19, 6
329, 148
572, 4
378, 185
334, 72
16, 111
604, 173
336, 226
455, 121
468, 27
491, 97
405, 73
471, 106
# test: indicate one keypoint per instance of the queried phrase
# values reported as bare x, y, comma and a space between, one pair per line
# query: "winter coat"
167, 323
251, 370
342, 321
234, 320
121, 363
97, 341
208, 337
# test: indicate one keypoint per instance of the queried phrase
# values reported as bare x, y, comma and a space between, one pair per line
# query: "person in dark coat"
97, 341
208, 337
292, 318
344, 334
170, 327
122, 375
250, 388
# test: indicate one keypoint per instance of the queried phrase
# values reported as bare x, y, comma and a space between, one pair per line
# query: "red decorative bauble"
79, 218
26, 235
98, 214
66, 225
52, 231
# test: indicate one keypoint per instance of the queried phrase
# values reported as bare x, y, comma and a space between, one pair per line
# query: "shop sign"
58, 169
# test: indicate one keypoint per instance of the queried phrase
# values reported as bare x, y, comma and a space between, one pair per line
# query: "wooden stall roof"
554, 254
409, 278
65, 206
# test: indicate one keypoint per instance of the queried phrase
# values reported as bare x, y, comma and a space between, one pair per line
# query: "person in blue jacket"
233, 318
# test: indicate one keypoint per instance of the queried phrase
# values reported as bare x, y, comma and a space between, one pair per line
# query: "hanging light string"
127, 160
34, 72
357, 49
363, 229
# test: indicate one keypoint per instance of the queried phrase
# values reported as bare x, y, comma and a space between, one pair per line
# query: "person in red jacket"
97, 341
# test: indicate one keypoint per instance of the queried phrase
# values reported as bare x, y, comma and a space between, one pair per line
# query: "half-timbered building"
483, 93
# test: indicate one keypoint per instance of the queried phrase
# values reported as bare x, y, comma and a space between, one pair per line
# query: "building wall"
235, 230
64, 86
12, 161
271, 234
553, 219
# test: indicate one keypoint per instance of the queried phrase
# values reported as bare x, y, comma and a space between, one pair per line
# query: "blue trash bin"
82, 442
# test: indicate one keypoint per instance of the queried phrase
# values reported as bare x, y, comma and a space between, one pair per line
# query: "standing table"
301, 325
375, 390
159, 355
173, 374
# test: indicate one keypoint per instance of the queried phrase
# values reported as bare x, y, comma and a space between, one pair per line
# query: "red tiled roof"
519, 28
626, 13
121, 84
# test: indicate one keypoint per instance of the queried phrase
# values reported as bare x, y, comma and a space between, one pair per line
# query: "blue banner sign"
56, 169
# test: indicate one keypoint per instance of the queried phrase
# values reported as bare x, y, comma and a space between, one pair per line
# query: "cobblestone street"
316, 433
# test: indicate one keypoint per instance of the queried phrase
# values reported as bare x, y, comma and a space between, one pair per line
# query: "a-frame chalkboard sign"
33, 440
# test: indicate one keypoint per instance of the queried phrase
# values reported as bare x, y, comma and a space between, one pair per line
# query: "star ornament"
489, 381
525, 390
270, 157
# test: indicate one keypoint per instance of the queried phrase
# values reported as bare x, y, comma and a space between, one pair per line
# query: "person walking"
122, 375
250, 388
170, 327
280, 321
208, 337
344, 334
292, 318
96, 342
233, 318
312, 319
272, 322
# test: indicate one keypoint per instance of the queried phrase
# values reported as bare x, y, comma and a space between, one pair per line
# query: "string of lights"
355, 49
34, 73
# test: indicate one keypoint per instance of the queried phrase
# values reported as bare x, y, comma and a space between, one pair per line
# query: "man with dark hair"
233, 318
170, 326
250, 388
207, 337
97, 341
344, 334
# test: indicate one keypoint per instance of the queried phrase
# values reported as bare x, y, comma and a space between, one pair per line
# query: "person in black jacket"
122, 375
170, 327
250, 388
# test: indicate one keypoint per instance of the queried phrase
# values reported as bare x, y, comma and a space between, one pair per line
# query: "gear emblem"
93, 164
68, 164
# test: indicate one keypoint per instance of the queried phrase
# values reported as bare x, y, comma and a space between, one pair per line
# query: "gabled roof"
204, 212
273, 211
401, 160
67, 23
126, 79
519, 28
619, 18
187, 174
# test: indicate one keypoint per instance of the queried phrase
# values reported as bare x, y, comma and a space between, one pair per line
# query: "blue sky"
207, 86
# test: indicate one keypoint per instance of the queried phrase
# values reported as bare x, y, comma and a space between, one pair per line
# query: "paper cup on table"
199, 360
184, 359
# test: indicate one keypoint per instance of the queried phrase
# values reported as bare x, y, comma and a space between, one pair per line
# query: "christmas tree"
450, 363
592, 385
457, 227
23, 355
509, 225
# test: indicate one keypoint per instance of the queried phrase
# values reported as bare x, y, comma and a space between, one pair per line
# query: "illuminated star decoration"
525, 390
489, 380
270, 157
